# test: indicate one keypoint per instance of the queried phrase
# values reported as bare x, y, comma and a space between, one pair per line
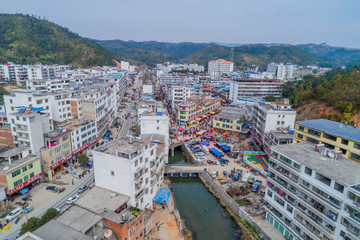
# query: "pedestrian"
72, 181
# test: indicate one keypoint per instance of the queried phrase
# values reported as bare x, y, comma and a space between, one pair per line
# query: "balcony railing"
313, 193
328, 217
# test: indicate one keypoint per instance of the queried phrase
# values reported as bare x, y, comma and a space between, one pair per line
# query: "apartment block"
232, 120
242, 88
219, 67
132, 167
334, 135
312, 193
6, 139
56, 153
270, 116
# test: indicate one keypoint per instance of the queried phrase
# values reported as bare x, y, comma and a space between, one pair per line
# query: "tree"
31, 225
83, 159
135, 129
269, 98
49, 214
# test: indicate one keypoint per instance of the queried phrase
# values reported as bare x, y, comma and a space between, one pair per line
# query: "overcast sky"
336, 22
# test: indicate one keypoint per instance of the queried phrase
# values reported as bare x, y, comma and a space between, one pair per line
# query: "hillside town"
98, 147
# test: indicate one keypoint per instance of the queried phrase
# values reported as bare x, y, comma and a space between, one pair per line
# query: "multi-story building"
56, 153
132, 167
179, 94
6, 139
193, 108
11, 72
28, 129
284, 72
232, 120
83, 135
219, 67
18, 170
333, 135
100, 105
282, 135
254, 87
171, 78
312, 193
270, 116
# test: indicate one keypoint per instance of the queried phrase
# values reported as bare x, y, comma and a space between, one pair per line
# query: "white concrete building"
270, 116
125, 66
147, 89
14, 72
243, 88
131, 167
218, 67
313, 193
28, 128
284, 72
179, 93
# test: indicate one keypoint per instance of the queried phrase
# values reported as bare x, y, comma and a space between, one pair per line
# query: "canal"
177, 159
203, 215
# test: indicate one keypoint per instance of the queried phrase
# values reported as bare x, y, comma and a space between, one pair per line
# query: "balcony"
138, 185
284, 172
152, 165
139, 194
152, 182
291, 189
310, 192
138, 173
310, 219
325, 212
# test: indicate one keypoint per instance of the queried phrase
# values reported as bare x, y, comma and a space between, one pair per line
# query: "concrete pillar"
172, 152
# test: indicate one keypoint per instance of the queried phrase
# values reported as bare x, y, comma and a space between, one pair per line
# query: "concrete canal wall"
231, 203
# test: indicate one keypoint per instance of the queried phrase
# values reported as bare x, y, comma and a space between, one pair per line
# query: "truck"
205, 149
236, 176
213, 174
256, 185
246, 177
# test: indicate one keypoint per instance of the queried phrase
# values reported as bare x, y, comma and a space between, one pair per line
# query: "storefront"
26, 183
59, 166
80, 150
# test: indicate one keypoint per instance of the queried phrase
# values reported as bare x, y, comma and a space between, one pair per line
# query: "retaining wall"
232, 204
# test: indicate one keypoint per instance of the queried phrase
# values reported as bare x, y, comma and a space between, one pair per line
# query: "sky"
336, 22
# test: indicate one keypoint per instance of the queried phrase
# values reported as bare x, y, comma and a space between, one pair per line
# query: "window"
355, 156
344, 141
152, 152
269, 193
14, 174
300, 136
24, 169
356, 145
26, 178
18, 182
330, 137
289, 208
312, 140
31, 175
297, 166
308, 171
313, 132
31, 165
278, 122
157, 128
157, 121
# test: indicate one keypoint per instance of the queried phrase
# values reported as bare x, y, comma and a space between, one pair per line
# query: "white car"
77, 175
13, 214
201, 158
199, 154
72, 199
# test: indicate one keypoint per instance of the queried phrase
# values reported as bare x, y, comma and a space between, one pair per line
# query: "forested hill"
335, 96
29, 40
152, 52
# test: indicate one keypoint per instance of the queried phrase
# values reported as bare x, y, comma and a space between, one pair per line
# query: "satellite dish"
108, 233
331, 154
6, 168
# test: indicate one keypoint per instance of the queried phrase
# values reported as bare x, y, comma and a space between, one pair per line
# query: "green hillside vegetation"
339, 88
260, 54
338, 56
28, 40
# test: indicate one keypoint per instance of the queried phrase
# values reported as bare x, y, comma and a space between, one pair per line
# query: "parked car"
13, 214
72, 199
51, 188
77, 175
60, 189
200, 153
28, 209
201, 158
197, 150
83, 188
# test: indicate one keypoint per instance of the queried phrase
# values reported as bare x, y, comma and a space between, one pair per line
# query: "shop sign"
58, 163
24, 184
85, 146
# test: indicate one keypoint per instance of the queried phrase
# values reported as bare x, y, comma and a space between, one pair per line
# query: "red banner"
24, 184
58, 163
85, 146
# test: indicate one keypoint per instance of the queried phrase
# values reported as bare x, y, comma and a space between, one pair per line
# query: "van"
246, 177
13, 214
28, 209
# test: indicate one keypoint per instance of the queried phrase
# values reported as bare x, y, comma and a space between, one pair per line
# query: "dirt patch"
167, 227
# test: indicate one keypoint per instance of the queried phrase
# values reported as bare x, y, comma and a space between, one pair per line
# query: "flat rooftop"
123, 145
10, 152
55, 230
98, 199
155, 138
344, 171
231, 113
333, 128
15, 163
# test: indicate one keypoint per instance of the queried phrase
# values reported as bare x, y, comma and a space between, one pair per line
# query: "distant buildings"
336, 136
244, 88
219, 67
311, 194
284, 72
132, 167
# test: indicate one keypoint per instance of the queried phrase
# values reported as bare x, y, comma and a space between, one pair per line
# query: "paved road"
57, 203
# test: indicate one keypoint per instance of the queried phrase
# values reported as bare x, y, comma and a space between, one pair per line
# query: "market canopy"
210, 146
197, 119
187, 138
204, 116
225, 148
162, 196
180, 128
212, 112
201, 132
216, 152
205, 143
211, 135
207, 137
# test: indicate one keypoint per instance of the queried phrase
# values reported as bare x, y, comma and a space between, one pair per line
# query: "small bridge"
174, 145
183, 171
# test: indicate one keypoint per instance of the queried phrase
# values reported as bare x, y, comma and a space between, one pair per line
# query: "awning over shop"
180, 128
225, 148
187, 138
204, 116
212, 112
216, 152
201, 132
210, 146
197, 119
205, 143
207, 137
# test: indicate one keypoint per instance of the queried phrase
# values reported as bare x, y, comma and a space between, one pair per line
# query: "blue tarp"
197, 87
205, 143
207, 137
162, 196
246, 99
233, 104
216, 152
219, 144
225, 148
